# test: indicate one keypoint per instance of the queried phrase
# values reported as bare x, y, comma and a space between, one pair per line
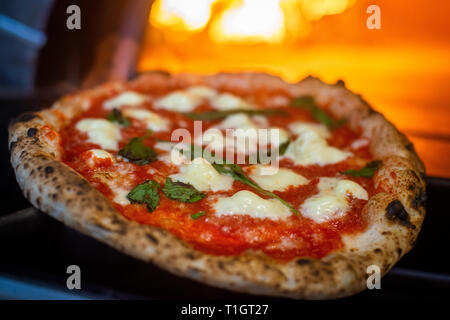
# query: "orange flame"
248, 21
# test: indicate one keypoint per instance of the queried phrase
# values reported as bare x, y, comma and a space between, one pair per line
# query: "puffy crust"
396, 212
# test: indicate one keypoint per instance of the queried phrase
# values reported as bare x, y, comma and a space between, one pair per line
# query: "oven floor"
36, 251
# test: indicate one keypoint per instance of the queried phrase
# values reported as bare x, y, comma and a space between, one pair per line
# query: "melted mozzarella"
202, 92
237, 121
247, 134
275, 179
299, 128
279, 135
332, 200
120, 196
175, 155
95, 156
310, 148
248, 203
349, 187
202, 175
228, 101
153, 121
178, 101
100, 154
102, 132
212, 138
127, 98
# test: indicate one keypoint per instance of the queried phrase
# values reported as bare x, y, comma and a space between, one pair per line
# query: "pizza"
240, 181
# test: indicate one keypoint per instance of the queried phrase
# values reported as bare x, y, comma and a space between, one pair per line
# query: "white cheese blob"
248, 203
299, 128
100, 154
202, 175
178, 101
228, 101
212, 138
153, 121
351, 188
237, 121
100, 131
202, 92
120, 195
332, 200
127, 98
281, 136
310, 148
95, 156
275, 179
247, 134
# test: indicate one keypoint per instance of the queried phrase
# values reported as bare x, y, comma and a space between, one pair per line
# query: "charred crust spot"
423, 175
396, 212
415, 175
99, 207
386, 233
54, 196
152, 238
32, 132
24, 117
221, 265
378, 250
399, 251
410, 146
12, 145
303, 262
49, 170
340, 82
189, 255
372, 111
419, 200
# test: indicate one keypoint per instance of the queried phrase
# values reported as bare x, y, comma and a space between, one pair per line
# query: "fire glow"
243, 21
325, 38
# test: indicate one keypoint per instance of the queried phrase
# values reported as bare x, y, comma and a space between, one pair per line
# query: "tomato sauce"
296, 236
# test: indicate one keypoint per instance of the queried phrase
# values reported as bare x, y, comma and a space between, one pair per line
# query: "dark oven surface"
36, 251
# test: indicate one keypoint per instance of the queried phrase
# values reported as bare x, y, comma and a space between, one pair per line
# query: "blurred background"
402, 69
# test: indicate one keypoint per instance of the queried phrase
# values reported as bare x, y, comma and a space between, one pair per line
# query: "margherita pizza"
240, 181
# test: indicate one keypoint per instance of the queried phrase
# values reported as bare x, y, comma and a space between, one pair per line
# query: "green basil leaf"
216, 115
180, 191
198, 215
145, 193
367, 172
137, 152
283, 147
116, 116
308, 103
236, 172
